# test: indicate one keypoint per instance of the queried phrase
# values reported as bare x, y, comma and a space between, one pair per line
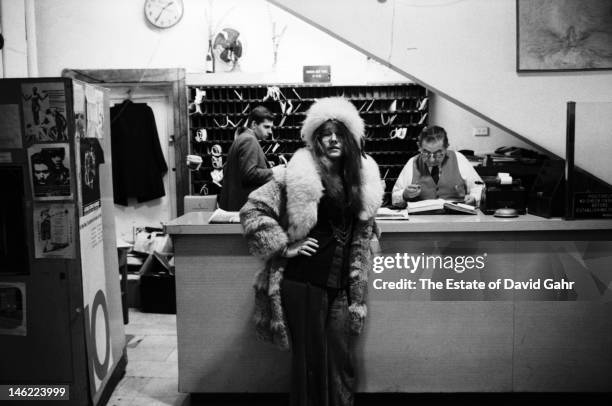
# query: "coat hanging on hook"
138, 161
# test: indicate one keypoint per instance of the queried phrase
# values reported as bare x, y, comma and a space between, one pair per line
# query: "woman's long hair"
350, 166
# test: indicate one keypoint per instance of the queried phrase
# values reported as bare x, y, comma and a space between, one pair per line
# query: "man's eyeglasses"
436, 155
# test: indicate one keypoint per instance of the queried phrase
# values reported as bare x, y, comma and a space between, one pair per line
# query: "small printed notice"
593, 205
317, 74
95, 112
54, 230
80, 114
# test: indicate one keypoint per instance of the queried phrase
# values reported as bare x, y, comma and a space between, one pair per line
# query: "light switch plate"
480, 131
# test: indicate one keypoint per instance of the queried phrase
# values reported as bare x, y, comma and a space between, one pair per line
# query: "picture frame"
563, 35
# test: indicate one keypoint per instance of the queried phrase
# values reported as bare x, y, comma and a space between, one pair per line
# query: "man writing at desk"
437, 173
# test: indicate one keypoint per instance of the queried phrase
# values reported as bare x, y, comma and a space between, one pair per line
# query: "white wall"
594, 138
114, 34
14, 53
467, 50
460, 123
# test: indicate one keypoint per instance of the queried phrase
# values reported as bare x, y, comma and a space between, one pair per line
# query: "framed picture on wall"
563, 35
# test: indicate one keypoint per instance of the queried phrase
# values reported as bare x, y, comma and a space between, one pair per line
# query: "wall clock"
163, 13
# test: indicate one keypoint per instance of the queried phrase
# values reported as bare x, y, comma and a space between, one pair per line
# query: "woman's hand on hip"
307, 247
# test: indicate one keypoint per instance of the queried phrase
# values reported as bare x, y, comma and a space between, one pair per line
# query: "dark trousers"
322, 364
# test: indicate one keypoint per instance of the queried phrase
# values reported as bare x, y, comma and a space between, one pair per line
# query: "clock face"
163, 13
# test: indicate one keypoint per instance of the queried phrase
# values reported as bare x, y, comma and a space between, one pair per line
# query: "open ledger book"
385, 213
222, 216
435, 206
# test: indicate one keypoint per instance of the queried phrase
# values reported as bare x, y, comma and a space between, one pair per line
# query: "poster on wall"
13, 309
80, 115
564, 35
50, 171
44, 112
89, 158
97, 327
95, 112
10, 127
54, 230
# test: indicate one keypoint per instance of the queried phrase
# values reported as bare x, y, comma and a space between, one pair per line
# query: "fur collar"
305, 189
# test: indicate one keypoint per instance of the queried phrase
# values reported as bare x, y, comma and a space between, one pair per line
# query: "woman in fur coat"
312, 223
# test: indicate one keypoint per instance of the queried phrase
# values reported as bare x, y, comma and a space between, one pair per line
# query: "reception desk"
422, 339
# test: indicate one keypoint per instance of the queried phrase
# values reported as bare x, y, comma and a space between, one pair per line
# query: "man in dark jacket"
247, 167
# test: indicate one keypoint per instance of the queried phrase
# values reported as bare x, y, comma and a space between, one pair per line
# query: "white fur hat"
333, 108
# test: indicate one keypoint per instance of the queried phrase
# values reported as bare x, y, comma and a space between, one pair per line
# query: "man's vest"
450, 184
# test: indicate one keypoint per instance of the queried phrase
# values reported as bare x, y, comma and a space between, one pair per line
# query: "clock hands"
163, 9
163, 13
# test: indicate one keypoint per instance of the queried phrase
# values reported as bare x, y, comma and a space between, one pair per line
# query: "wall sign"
317, 74
592, 205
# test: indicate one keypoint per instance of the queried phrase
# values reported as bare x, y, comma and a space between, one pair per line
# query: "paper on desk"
222, 216
385, 213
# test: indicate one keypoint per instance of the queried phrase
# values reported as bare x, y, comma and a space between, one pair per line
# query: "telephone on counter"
499, 195
517, 152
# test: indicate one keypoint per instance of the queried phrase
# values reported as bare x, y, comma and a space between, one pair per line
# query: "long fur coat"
283, 211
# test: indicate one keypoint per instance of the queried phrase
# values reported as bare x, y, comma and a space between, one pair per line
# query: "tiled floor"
151, 377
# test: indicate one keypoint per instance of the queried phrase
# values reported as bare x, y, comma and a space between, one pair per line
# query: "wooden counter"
418, 341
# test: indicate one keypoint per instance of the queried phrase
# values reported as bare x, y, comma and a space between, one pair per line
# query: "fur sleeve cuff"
260, 221
357, 314
265, 237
